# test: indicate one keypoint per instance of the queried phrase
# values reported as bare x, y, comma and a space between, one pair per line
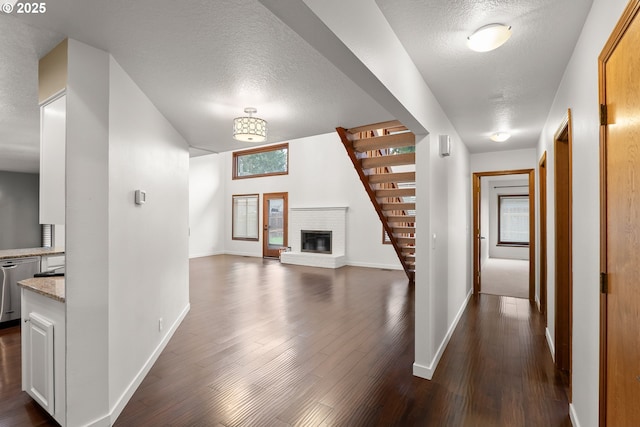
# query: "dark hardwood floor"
267, 344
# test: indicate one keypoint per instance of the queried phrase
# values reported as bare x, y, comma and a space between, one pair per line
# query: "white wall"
149, 246
503, 160
207, 205
87, 235
320, 175
520, 187
126, 265
579, 91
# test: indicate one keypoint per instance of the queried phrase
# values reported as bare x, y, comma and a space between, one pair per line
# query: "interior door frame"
630, 12
542, 262
564, 296
476, 178
265, 221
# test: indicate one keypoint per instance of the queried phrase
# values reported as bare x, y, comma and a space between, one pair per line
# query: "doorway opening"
563, 250
504, 199
542, 190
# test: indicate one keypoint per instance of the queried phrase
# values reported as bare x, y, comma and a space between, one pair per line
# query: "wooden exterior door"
620, 216
275, 224
542, 175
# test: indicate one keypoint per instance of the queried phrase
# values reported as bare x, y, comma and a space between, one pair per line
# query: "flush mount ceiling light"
489, 37
500, 136
248, 128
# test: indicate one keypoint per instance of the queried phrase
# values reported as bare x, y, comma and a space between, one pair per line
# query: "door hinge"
603, 115
604, 285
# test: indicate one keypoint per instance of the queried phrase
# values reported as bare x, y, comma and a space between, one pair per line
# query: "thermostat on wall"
141, 197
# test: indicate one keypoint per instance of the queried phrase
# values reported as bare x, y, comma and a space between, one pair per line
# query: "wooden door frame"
265, 220
563, 135
542, 191
476, 178
630, 12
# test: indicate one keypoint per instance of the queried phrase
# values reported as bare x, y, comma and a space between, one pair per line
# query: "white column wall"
126, 265
87, 236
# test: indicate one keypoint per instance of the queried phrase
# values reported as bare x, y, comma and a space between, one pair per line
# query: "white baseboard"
205, 254
428, 371
100, 422
573, 416
552, 348
248, 254
133, 386
422, 371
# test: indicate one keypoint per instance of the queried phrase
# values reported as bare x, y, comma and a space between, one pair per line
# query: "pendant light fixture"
249, 128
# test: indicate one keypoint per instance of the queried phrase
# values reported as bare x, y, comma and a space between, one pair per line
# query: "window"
245, 217
513, 220
263, 161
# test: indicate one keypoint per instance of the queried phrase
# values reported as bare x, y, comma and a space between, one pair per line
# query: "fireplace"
315, 241
331, 223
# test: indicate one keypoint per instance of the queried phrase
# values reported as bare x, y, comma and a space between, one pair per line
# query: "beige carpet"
507, 277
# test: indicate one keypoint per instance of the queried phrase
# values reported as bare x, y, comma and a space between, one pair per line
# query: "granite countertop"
24, 253
52, 287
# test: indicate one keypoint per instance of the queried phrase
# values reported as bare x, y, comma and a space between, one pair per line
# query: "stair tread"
391, 160
395, 192
398, 206
380, 178
401, 218
403, 230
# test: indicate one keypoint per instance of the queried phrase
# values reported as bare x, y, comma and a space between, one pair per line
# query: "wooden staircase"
383, 155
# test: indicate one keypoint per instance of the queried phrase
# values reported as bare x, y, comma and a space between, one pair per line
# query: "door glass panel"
276, 223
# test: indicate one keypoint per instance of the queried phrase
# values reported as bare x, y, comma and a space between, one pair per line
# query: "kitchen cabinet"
43, 352
53, 137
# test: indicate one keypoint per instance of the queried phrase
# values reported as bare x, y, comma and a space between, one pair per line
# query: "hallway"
267, 344
506, 277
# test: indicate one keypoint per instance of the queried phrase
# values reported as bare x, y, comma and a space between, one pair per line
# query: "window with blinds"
245, 217
513, 220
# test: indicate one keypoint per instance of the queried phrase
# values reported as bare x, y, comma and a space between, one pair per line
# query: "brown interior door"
476, 234
543, 235
275, 224
620, 76
563, 256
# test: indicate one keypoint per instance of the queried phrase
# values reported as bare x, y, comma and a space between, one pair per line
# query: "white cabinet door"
53, 136
39, 361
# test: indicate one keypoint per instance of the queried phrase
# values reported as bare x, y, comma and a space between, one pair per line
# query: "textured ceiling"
201, 62
508, 89
20, 48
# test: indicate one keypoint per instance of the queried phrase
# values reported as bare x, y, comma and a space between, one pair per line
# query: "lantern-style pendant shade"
248, 128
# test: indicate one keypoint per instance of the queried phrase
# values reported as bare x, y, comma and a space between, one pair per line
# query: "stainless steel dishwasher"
11, 272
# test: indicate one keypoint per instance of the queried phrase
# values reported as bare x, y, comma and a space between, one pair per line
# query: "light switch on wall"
433, 241
141, 197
